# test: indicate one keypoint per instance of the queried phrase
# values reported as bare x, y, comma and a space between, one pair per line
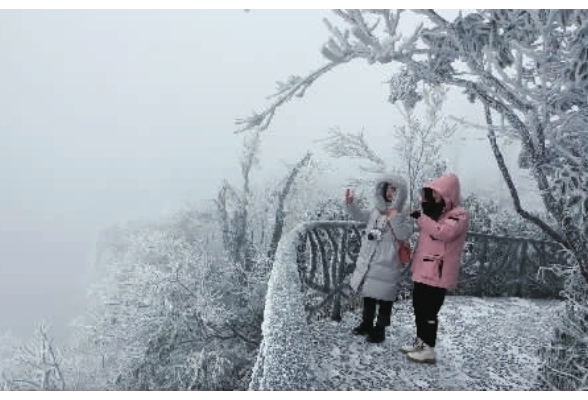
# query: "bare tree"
417, 144
234, 207
419, 141
38, 366
235, 222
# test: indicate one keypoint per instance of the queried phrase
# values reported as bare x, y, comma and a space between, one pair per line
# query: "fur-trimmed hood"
401, 192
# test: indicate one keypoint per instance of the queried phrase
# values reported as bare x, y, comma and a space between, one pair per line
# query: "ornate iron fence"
492, 266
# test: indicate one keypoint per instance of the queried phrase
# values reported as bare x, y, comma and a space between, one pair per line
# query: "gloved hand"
415, 214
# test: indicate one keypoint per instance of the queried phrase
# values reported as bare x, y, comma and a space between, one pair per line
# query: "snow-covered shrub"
565, 365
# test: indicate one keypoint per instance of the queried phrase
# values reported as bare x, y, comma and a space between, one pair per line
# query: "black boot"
362, 329
367, 317
377, 335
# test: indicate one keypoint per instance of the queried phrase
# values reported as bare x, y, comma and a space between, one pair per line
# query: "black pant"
426, 302
369, 311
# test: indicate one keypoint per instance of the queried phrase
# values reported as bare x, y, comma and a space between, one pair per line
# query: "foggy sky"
107, 116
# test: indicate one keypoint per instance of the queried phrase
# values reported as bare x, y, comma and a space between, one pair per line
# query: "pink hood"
448, 186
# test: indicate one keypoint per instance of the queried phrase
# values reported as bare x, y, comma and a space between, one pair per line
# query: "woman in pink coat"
443, 226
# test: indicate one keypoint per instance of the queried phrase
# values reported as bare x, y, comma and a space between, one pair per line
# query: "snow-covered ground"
483, 344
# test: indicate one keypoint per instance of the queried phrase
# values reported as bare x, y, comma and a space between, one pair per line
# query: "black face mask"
433, 210
430, 208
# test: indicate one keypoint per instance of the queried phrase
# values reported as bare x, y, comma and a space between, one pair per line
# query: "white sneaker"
409, 348
425, 355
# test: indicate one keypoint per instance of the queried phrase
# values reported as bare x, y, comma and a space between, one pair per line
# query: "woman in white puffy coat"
378, 269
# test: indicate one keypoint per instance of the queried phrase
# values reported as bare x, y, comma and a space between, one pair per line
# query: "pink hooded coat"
437, 259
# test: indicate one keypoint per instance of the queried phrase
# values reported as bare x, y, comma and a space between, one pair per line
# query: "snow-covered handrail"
285, 360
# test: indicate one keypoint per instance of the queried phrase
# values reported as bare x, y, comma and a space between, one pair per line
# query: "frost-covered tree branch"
352, 145
280, 214
511, 186
295, 86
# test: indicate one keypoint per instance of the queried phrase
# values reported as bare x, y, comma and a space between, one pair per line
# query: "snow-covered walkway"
483, 344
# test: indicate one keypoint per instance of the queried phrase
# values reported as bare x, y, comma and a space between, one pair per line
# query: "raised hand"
348, 196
